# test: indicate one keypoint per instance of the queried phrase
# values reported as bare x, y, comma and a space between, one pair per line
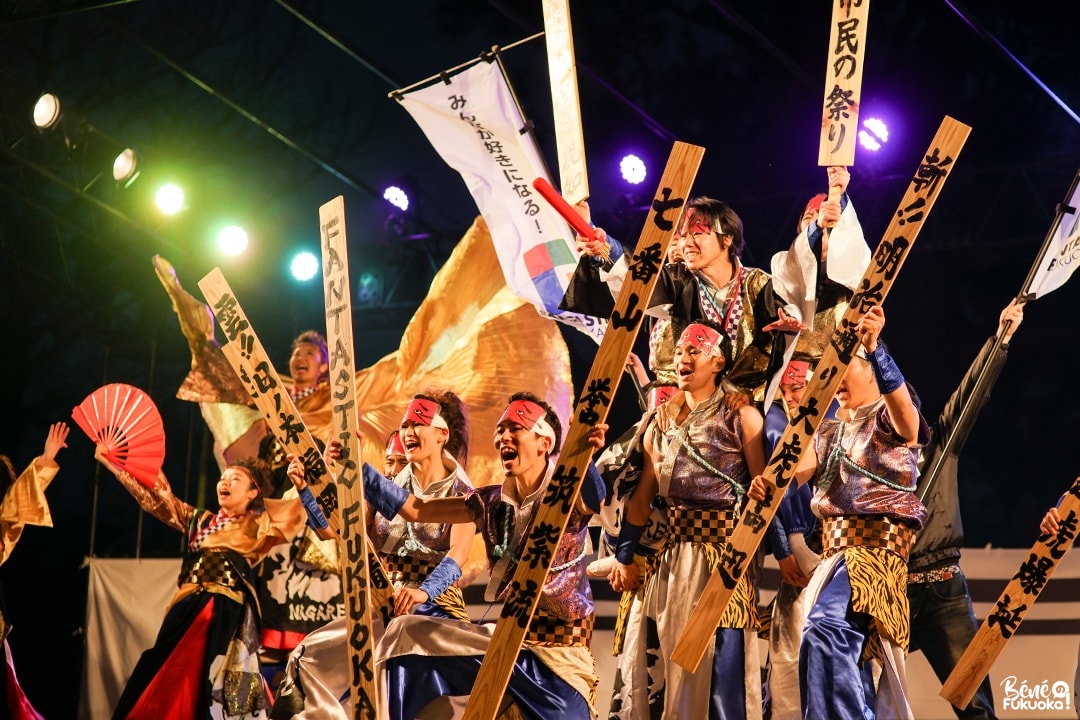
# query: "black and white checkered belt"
407, 569
933, 576
699, 525
209, 567
549, 630
874, 531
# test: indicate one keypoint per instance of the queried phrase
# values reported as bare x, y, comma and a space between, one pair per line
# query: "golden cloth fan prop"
124, 420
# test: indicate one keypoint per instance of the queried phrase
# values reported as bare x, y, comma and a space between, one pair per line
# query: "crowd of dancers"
868, 540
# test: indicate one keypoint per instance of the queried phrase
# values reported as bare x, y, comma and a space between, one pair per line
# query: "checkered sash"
700, 526
549, 630
407, 569
210, 567
866, 531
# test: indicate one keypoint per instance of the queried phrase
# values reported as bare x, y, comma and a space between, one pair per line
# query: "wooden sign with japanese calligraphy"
350, 487
252, 365
736, 555
591, 407
248, 359
569, 139
1019, 595
843, 83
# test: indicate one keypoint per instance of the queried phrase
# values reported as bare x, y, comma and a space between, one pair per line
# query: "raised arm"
902, 411
158, 500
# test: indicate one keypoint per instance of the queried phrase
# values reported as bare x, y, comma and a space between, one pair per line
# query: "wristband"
629, 536
886, 373
445, 574
383, 495
316, 520
593, 489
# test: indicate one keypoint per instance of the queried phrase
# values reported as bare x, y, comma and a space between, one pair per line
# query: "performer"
620, 465
395, 460
205, 659
865, 461
710, 283
699, 457
22, 503
942, 618
432, 662
821, 270
794, 539
424, 559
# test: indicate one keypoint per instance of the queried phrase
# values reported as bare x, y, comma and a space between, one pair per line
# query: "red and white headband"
424, 412
528, 415
703, 337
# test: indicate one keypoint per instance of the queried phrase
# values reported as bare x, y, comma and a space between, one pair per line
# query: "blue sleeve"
445, 574
776, 542
794, 512
629, 537
886, 373
775, 423
316, 520
593, 489
813, 230
383, 495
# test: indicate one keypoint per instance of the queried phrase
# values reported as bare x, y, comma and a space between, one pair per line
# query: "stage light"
304, 266
396, 197
874, 134
633, 169
233, 240
46, 111
169, 199
125, 167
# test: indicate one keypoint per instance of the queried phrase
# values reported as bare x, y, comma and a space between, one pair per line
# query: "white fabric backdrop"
124, 609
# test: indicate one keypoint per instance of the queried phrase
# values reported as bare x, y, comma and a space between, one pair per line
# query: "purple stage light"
396, 197
633, 169
874, 134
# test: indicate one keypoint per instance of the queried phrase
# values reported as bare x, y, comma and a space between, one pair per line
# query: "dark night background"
266, 109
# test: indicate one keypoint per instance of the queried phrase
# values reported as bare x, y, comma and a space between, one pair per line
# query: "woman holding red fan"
205, 657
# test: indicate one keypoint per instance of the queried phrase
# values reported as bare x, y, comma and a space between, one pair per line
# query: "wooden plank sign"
843, 83
1013, 604
591, 407
252, 365
355, 572
248, 358
887, 260
569, 139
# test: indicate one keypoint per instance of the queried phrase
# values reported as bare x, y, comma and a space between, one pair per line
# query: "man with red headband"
794, 539
864, 465
433, 661
710, 283
699, 456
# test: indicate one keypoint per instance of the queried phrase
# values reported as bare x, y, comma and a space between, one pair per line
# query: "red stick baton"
568, 212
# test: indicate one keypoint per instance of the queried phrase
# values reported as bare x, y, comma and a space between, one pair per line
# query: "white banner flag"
474, 124
1063, 251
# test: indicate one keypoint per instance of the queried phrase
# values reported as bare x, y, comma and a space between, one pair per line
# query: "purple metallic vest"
503, 523
426, 541
700, 463
866, 468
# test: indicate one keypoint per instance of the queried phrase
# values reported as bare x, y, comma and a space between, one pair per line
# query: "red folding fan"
124, 420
